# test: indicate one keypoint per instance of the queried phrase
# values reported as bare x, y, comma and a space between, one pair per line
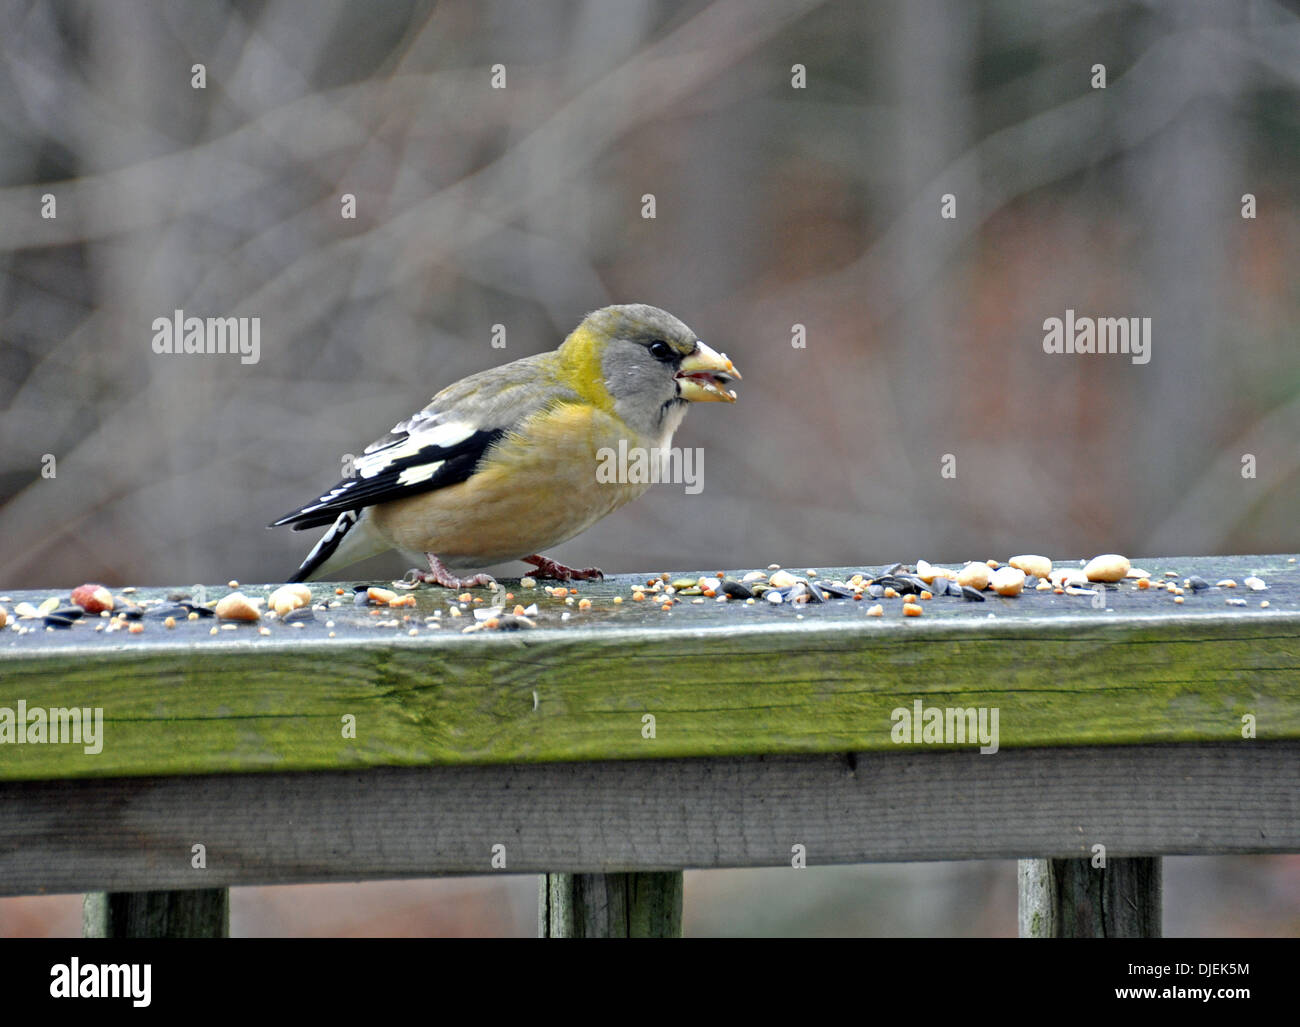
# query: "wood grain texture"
1072, 898
136, 834
718, 679
610, 905
203, 913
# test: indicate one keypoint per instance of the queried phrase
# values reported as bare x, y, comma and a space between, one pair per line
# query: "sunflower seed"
734, 589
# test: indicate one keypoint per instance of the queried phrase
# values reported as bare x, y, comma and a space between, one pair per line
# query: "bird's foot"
550, 569
437, 574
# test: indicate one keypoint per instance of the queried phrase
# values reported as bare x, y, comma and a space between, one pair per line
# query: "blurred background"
778, 203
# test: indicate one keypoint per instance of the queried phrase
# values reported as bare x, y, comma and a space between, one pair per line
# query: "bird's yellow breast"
535, 489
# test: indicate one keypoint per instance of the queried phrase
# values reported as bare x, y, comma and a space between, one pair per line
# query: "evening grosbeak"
502, 464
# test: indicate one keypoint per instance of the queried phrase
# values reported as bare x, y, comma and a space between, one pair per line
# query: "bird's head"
648, 363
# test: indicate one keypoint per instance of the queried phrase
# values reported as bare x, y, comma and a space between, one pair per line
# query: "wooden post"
202, 913
645, 905
1070, 898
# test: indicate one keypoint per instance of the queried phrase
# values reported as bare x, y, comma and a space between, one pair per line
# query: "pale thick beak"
705, 374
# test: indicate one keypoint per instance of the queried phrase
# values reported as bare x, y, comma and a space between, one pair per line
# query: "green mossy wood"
719, 679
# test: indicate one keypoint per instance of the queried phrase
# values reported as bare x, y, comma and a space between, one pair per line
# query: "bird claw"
558, 572
437, 574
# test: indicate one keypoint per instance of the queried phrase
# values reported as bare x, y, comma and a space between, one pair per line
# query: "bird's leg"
437, 574
550, 569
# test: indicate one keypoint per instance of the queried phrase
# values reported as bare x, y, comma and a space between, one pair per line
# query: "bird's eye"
660, 350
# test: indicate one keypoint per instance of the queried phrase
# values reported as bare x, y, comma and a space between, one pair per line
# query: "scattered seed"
912, 609
1108, 567
238, 606
878, 610
974, 575
1038, 566
1254, 584
290, 597
1007, 581
92, 598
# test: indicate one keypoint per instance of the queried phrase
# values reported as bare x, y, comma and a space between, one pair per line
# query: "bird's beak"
704, 375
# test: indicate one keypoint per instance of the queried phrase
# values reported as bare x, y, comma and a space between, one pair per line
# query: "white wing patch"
419, 473
440, 435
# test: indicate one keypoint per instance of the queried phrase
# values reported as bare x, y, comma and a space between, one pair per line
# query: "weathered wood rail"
612, 749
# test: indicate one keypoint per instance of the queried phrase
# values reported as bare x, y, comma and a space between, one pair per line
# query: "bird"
501, 465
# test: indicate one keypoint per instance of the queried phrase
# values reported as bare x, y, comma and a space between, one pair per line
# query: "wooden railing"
615, 748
